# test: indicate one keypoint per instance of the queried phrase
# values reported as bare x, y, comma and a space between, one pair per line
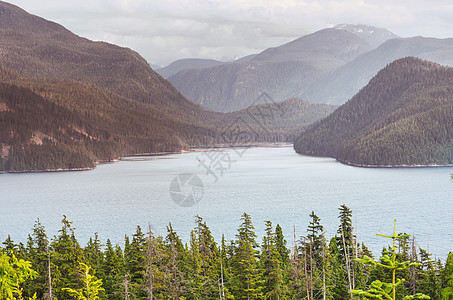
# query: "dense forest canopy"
277, 266
404, 116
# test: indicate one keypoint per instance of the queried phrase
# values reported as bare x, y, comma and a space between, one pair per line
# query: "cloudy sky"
165, 30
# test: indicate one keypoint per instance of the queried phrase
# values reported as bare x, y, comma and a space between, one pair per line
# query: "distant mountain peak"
375, 36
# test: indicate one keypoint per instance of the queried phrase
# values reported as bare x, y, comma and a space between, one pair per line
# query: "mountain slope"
51, 124
63, 124
324, 49
277, 122
404, 116
37, 48
282, 72
373, 35
187, 63
343, 83
232, 87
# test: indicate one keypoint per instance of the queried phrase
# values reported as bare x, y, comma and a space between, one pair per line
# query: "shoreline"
192, 149
402, 166
218, 147
50, 170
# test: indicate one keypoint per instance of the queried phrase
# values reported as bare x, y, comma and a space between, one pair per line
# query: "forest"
276, 266
404, 116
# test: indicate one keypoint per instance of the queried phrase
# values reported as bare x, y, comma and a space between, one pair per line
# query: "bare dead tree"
49, 275
126, 286
348, 266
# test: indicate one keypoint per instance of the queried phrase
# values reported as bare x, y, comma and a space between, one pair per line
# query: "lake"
273, 184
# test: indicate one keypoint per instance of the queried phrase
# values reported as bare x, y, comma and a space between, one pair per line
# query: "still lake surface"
268, 183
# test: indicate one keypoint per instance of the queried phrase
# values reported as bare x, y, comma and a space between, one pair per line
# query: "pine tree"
65, 257
385, 290
447, 292
337, 286
315, 230
13, 274
135, 263
93, 254
270, 260
113, 272
345, 243
38, 254
248, 282
280, 244
91, 287
176, 264
210, 259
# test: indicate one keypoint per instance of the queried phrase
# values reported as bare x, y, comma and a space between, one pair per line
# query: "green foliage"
403, 116
387, 290
447, 292
13, 273
150, 266
91, 285
247, 275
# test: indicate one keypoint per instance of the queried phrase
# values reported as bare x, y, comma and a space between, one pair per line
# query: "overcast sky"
166, 30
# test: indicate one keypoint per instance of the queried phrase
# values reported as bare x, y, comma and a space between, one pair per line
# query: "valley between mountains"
357, 93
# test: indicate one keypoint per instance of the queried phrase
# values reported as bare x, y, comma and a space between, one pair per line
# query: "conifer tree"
271, 264
93, 254
66, 257
135, 263
248, 282
176, 264
210, 259
38, 254
113, 272
280, 244
91, 287
13, 274
447, 292
387, 290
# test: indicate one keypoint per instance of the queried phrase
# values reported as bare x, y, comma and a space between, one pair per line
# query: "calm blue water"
268, 183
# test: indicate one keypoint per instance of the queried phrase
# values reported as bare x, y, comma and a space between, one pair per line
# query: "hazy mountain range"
283, 72
328, 66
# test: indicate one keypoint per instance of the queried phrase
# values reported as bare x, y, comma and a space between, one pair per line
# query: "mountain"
344, 82
64, 124
246, 58
373, 35
58, 124
404, 116
235, 86
282, 72
37, 48
324, 49
155, 67
270, 121
188, 63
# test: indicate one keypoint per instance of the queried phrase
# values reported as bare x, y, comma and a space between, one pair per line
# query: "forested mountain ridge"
38, 48
56, 124
279, 121
404, 116
44, 121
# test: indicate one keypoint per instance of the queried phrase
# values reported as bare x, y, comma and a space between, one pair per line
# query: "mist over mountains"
328, 66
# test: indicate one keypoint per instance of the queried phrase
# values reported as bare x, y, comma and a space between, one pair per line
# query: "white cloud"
163, 31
